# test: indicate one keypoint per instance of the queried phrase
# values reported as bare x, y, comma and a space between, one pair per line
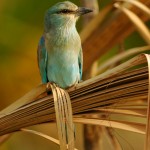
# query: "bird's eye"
65, 11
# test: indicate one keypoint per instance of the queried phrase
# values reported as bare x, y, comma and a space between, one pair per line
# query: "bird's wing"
80, 61
42, 59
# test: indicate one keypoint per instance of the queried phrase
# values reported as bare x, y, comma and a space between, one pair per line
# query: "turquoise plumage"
60, 56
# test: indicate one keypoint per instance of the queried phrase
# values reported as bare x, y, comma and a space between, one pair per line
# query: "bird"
60, 56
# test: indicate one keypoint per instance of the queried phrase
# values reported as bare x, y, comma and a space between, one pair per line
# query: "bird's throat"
63, 38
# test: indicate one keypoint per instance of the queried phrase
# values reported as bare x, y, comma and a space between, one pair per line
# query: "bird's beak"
82, 10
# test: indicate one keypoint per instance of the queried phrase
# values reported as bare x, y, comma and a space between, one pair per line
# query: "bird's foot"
74, 87
48, 87
71, 88
80, 81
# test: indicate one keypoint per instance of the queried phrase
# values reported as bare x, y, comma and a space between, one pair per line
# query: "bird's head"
63, 14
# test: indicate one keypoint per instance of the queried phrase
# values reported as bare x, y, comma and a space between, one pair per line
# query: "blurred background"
21, 25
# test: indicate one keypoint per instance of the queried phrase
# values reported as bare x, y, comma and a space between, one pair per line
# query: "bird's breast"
63, 52
63, 67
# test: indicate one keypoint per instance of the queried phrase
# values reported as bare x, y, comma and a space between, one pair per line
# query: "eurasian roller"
60, 57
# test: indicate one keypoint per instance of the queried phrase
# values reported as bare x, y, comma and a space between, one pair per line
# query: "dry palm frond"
128, 126
122, 56
148, 110
43, 135
115, 88
99, 38
30, 96
140, 26
63, 110
139, 112
92, 25
139, 4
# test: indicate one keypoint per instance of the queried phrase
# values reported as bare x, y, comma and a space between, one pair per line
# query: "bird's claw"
73, 87
80, 81
48, 86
